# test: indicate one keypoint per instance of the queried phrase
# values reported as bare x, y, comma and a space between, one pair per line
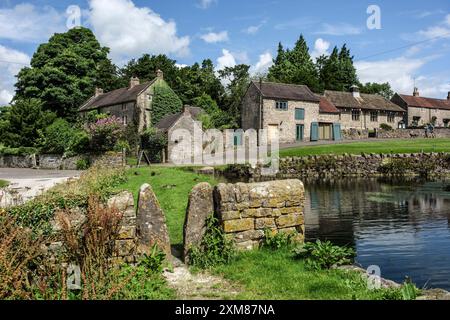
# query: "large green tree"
383, 89
65, 71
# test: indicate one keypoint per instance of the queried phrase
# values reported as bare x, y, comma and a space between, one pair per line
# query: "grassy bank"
378, 147
172, 187
3, 183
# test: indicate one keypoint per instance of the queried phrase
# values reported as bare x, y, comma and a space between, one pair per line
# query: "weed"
154, 261
276, 240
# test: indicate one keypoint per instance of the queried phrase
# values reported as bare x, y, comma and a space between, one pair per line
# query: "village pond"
402, 226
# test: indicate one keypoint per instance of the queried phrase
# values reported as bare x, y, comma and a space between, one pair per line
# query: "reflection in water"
402, 226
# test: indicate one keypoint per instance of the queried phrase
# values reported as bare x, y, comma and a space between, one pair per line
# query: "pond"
401, 226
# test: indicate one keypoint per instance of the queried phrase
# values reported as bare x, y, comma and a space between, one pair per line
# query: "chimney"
186, 110
98, 92
448, 96
160, 74
134, 82
355, 91
416, 92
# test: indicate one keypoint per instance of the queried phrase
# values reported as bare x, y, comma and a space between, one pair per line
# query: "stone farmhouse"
422, 110
132, 104
297, 114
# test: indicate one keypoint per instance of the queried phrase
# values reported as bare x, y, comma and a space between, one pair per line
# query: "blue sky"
412, 46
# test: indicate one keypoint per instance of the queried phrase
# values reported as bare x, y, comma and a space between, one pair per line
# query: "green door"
300, 132
314, 131
337, 132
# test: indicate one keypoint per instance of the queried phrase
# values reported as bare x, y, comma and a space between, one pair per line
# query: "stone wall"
408, 133
59, 162
365, 165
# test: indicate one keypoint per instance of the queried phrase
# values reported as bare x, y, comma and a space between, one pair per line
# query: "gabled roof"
286, 91
168, 121
114, 97
343, 99
423, 102
326, 106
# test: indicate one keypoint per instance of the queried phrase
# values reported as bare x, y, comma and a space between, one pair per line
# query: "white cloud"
447, 19
252, 30
131, 31
213, 37
442, 30
227, 59
205, 4
28, 23
264, 63
341, 29
11, 61
320, 48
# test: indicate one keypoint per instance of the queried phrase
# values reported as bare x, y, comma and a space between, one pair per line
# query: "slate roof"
168, 121
114, 97
286, 91
423, 102
343, 99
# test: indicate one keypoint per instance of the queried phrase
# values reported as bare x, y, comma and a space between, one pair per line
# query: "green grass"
3, 183
390, 146
275, 275
172, 187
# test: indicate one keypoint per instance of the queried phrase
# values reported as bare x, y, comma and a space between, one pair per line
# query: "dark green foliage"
21, 151
276, 241
154, 142
383, 89
323, 255
65, 71
386, 127
153, 261
165, 102
83, 164
23, 121
57, 137
215, 248
214, 116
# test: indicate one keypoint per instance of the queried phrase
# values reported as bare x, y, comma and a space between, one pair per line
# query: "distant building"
422, 110
297, 114
132, 104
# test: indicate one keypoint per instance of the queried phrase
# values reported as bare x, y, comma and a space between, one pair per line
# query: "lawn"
3, 183
172, 187
275, 275
390, 146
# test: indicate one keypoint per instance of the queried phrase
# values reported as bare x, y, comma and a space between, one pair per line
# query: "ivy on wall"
165, 102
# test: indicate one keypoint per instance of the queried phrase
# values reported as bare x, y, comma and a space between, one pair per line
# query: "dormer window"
281, 105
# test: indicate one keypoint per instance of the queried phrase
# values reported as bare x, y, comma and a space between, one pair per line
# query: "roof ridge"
286, 84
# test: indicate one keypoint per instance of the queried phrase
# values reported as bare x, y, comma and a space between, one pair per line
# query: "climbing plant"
165, 102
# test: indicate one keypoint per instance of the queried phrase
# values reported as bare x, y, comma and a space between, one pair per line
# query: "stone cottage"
365, 111
422, 110
181, 128
132, 104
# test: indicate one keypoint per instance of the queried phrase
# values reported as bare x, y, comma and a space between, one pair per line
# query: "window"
446, 123
391, 117
374, 116
356, 114
125, 120
281, 105
299, 114
415, 122
124, 107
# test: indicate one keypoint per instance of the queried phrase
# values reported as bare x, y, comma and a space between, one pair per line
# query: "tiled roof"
326, 106
286, 91
118, 96
366, 101
423, 102
168, 121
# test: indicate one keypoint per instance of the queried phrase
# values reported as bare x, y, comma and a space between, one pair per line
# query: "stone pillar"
200, 206
151, 222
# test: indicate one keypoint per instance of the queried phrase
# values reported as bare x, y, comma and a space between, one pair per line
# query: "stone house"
179, 127
365, 111
132, 104
421, 110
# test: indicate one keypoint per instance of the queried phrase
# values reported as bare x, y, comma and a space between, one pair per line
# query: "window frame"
279, 103
356, 115
374, 116
391, 117
303, 113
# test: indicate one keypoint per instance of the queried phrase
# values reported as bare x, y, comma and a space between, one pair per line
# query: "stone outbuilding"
421, 110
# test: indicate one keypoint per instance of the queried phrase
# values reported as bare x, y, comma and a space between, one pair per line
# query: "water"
401, 226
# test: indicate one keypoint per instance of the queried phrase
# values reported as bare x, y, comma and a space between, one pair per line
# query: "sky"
402, 42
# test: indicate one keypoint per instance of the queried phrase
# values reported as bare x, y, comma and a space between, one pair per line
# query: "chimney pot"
98, 92
159, 74
134, 82
416, 92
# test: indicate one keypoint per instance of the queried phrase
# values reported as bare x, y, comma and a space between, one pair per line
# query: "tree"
65, 71
383, 89
23, 122
213, 117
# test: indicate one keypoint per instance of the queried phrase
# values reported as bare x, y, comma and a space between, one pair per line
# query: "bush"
78, 144
105, 133
154, 141
386, 127
276, 241
323, 255
82, 164
215, 248
21, 151
56, 137
154, 261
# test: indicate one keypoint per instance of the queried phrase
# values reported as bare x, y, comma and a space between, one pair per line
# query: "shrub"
215, 248
82, 164
154, 261
78, 144
386, 127
56, 137
276, 241
154, 141
21, 151
323, 255
105, 133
